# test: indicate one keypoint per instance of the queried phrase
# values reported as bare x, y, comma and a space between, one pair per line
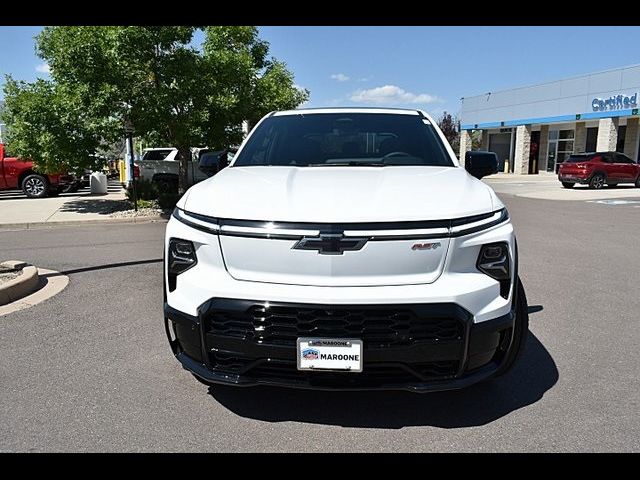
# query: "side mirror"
211, 163
481, 164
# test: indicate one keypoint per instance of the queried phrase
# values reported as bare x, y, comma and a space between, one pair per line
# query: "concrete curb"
19, 287
50, 283
29, 226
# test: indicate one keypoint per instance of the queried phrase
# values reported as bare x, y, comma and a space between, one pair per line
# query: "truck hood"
340, 194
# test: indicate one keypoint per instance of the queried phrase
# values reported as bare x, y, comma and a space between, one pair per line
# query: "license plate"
330, 354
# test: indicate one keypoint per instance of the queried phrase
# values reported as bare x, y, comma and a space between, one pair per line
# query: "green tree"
450, 127
45, 122
171, 90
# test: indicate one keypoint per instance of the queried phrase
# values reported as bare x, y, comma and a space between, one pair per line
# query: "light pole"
128, 128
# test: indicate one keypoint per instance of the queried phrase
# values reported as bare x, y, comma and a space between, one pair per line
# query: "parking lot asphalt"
546, 186
91, 370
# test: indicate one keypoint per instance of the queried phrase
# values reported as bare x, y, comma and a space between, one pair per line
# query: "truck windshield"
344, 139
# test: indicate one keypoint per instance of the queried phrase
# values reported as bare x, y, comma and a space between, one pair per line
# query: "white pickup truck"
161, 165
345, 248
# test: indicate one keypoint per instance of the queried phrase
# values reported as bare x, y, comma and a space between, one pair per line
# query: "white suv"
344, 249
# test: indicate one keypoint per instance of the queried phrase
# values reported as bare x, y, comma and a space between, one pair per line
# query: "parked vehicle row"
161, 166
597, 169
18, 173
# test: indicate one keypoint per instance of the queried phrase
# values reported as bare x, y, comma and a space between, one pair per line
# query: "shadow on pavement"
104, 267
534, 374
535, 309
617, 187
95, 205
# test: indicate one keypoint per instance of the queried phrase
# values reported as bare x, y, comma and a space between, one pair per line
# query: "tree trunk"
184, 155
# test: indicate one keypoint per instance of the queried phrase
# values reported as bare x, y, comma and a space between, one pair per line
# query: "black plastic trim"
341, 227
460, 380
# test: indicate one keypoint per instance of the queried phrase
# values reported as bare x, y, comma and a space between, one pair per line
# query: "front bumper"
447, 351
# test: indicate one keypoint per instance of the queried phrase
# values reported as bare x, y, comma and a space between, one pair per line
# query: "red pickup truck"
17, 173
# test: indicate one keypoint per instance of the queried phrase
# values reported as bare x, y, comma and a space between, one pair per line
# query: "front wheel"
568, 184
597, 181
35, 186
638, 182
520, 332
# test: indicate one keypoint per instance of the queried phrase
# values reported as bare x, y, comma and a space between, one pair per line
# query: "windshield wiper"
352, 163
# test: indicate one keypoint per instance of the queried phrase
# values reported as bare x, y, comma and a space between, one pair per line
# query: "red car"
18, 173
596, 169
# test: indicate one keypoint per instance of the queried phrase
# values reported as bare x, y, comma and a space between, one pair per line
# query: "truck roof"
304, 111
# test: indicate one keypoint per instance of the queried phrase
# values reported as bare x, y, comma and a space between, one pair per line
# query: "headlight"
494, 260
181, 257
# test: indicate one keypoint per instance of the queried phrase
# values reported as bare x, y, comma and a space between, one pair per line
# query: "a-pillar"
607, 135
523, 147
465, 144
631, 138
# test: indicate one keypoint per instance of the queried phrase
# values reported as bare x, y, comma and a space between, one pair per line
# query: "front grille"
373, 374
377, 327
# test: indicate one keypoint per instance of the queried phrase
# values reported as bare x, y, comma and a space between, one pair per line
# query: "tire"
638, 182
568, 184
520, 332
597, 181
35, 186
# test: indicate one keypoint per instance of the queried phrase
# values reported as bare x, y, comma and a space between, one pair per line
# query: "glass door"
553, 150
560, 148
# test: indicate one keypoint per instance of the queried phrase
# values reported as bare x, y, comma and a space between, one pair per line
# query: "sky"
415, 67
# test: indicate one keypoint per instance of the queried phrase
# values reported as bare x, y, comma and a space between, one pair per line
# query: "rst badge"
426, 246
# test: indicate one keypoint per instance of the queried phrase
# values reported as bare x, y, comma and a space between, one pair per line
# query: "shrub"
168, 200
145, 189
147, 203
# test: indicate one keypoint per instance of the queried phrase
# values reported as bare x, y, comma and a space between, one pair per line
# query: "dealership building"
534, 128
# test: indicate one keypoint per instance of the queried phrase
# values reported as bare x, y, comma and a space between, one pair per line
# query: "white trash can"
98, 183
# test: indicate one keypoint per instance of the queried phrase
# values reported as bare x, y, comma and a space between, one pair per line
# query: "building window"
622, 133
592, 139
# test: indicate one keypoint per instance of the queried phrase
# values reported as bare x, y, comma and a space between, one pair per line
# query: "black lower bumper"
569, 179
420, 348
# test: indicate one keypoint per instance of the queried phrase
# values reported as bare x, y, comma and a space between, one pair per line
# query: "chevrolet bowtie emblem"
330, 243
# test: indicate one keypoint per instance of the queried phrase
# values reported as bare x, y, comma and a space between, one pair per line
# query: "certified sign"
330, 354
615, 102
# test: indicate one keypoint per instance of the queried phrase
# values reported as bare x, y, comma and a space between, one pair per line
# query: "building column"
631, 138
485, 140
465, 144
523, 148
580, 140
607, 135
543, 148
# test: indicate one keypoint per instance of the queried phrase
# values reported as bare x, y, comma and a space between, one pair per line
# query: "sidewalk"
513, 177
16, 209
